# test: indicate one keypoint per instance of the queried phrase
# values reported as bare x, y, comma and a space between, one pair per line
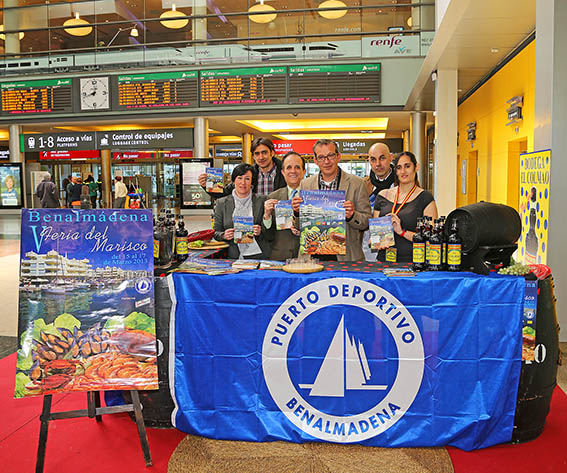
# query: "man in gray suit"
357, 206
285, 243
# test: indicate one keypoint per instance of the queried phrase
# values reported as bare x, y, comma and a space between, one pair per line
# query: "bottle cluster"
432, 249
170, 242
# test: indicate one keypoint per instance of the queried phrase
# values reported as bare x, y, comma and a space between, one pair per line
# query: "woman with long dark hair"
405, 202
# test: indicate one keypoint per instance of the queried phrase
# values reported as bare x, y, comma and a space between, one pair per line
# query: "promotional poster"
193, 195
86, 309
535, 171
214, 180
10, 186
322, 223
284, 215
243, 229
381, 232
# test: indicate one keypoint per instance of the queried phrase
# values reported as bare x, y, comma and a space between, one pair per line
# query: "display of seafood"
331, 241
62, 356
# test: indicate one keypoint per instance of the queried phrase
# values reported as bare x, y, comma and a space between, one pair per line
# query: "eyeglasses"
329, 157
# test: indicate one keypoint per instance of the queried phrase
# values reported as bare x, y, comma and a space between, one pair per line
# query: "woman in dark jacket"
241, 203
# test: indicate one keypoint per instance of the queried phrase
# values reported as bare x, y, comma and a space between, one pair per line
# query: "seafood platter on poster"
86, 307
322, 222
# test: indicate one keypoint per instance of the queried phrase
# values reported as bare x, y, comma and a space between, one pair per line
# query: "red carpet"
73, 445
113, 445
546, 454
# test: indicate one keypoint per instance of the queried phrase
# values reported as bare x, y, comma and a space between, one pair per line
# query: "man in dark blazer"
357, 205
285, 243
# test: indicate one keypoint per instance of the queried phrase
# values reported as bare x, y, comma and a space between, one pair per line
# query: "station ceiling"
473, 38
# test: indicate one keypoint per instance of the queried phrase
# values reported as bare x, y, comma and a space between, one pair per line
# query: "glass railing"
94, 34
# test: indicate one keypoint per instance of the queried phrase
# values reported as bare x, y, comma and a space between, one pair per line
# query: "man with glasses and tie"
357, 206
285, 243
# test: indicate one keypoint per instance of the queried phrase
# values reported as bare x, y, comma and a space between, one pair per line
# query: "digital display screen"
11, 185
354, 83
192, 194
244, 86
36, 96
159, 90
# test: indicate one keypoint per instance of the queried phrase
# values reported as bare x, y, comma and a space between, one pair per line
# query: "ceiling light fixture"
77, 21
134, 32
332, 14
3, 36
171, 20
494, 50
225, 139
333, 136
315, 124
261, 7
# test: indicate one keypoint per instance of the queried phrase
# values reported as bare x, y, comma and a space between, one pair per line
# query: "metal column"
106, 178
549, 133
18, 157
246, 142
417, 144
201, 138
445, 176
11, 22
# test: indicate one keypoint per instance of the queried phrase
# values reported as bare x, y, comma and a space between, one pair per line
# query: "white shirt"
120, 189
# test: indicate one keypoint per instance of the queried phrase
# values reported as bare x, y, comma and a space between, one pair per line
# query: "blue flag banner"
347, 357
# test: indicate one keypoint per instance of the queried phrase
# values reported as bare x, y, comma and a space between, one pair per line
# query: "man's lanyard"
394, 211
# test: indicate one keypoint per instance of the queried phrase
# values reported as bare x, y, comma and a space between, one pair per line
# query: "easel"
93, 410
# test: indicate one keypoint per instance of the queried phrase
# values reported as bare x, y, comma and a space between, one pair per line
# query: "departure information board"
257, 85
354, 83
159, 90
36, 96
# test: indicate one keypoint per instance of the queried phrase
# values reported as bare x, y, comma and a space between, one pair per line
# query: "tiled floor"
8, 345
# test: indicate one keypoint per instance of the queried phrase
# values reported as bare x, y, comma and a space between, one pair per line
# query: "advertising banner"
535, 172
145, 139
387, 46
124, 140
86, 154
10, 185
193, 195
322, 223
344, 357
303, 147
86, 310
84, 140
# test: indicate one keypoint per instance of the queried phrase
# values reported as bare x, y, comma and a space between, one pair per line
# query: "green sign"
338, 68
158, 76
35, 83
247, 71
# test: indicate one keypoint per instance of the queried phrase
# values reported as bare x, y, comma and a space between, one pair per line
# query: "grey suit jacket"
355, 191
224, 209
285, 244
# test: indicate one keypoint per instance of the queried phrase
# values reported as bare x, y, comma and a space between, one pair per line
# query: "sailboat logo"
345, 367
346, 397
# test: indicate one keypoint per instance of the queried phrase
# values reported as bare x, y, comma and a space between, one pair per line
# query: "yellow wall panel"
487, 107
